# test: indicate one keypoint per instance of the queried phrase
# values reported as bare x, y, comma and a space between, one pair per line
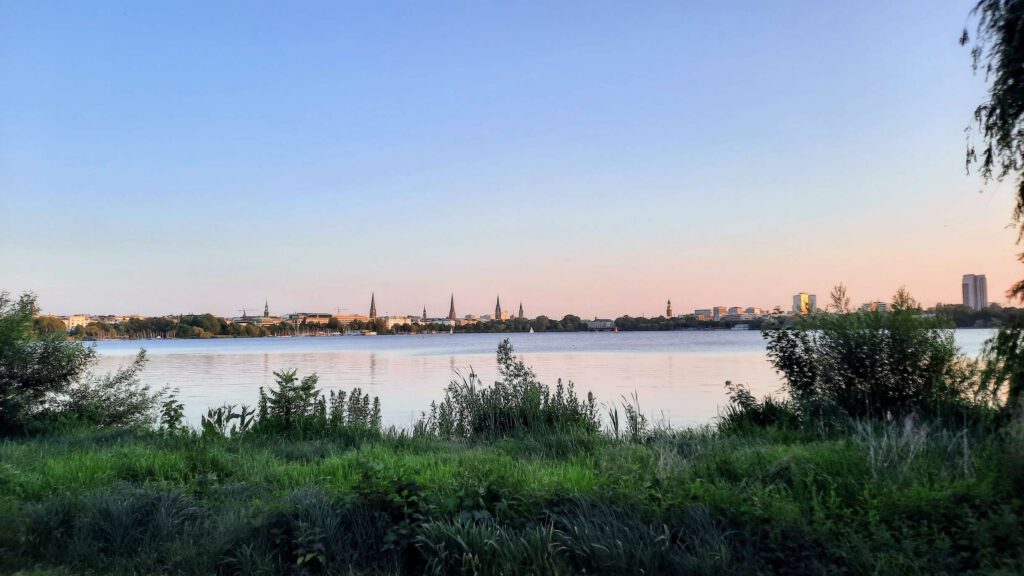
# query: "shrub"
745, 413
116, 400
1002, 375
44, 378
297, 405
874, 364
516, 403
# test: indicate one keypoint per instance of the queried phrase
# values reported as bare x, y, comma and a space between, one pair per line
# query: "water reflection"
678, 376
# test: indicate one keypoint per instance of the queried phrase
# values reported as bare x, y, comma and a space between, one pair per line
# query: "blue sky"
588, 157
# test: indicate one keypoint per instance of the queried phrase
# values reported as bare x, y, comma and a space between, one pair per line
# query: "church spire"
668, 310
521, 309
497, 309
373, 306
451, 310
266, 308
424, 312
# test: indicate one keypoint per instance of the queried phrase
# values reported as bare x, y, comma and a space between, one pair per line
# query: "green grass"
882, 499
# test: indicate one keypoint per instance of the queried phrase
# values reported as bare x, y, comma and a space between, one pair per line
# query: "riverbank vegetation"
887, 453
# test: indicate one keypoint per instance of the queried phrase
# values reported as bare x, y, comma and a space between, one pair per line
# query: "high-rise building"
668, 310
804, 303
975, 291
373, 306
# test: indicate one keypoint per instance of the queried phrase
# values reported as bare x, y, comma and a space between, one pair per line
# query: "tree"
998, 50
902, 300
32, 368
45, 376
840, 301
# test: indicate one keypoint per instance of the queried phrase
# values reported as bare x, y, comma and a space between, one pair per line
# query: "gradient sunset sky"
593, 158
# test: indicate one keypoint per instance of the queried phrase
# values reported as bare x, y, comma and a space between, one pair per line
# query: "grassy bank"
894, 498
888, 454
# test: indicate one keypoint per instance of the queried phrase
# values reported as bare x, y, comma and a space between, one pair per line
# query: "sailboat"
531, 329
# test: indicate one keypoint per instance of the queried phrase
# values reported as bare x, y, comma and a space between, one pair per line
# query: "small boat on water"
531, 329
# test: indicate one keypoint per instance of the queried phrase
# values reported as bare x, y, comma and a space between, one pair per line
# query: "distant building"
318, 318
77, 320
874, 307
804, 303
703, 314
668, 310
521, 310
736, 310
754, 310
600, 325
718, 312
373, 306
497, 309
975, 291
392, 321
346, 319
451, 311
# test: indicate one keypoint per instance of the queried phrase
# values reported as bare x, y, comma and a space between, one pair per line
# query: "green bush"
44, 378
297, 406
871, 364
745, 413
516, 403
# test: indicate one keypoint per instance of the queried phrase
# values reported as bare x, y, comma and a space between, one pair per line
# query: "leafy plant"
871, 364
745, 413
516, 403
172, 414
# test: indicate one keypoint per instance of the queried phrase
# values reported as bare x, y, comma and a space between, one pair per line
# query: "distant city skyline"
973, 291
587, 159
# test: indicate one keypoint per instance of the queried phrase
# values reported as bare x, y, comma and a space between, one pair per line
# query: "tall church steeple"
266, 308
424, 312
451, 310
521, 309
497, 309
373, 306
668, 310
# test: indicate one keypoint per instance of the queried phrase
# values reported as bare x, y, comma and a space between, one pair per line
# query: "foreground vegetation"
888, 454
894, 498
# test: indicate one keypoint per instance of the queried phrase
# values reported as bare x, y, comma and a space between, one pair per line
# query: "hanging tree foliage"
995, 138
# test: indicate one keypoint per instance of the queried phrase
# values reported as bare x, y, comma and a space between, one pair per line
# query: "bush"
516, 403
297, 405
44, 378
745, 413
115, 400
874, 364
1002, 375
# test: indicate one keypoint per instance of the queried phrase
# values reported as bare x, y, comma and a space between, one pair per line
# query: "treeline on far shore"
209, 326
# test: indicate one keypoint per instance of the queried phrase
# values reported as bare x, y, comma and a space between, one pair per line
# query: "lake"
678, 376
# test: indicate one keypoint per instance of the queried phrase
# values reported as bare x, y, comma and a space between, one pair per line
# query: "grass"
887, 498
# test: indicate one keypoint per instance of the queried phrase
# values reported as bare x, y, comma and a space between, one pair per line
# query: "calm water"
678, 375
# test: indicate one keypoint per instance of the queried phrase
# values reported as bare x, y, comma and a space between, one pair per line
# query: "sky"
595, 158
